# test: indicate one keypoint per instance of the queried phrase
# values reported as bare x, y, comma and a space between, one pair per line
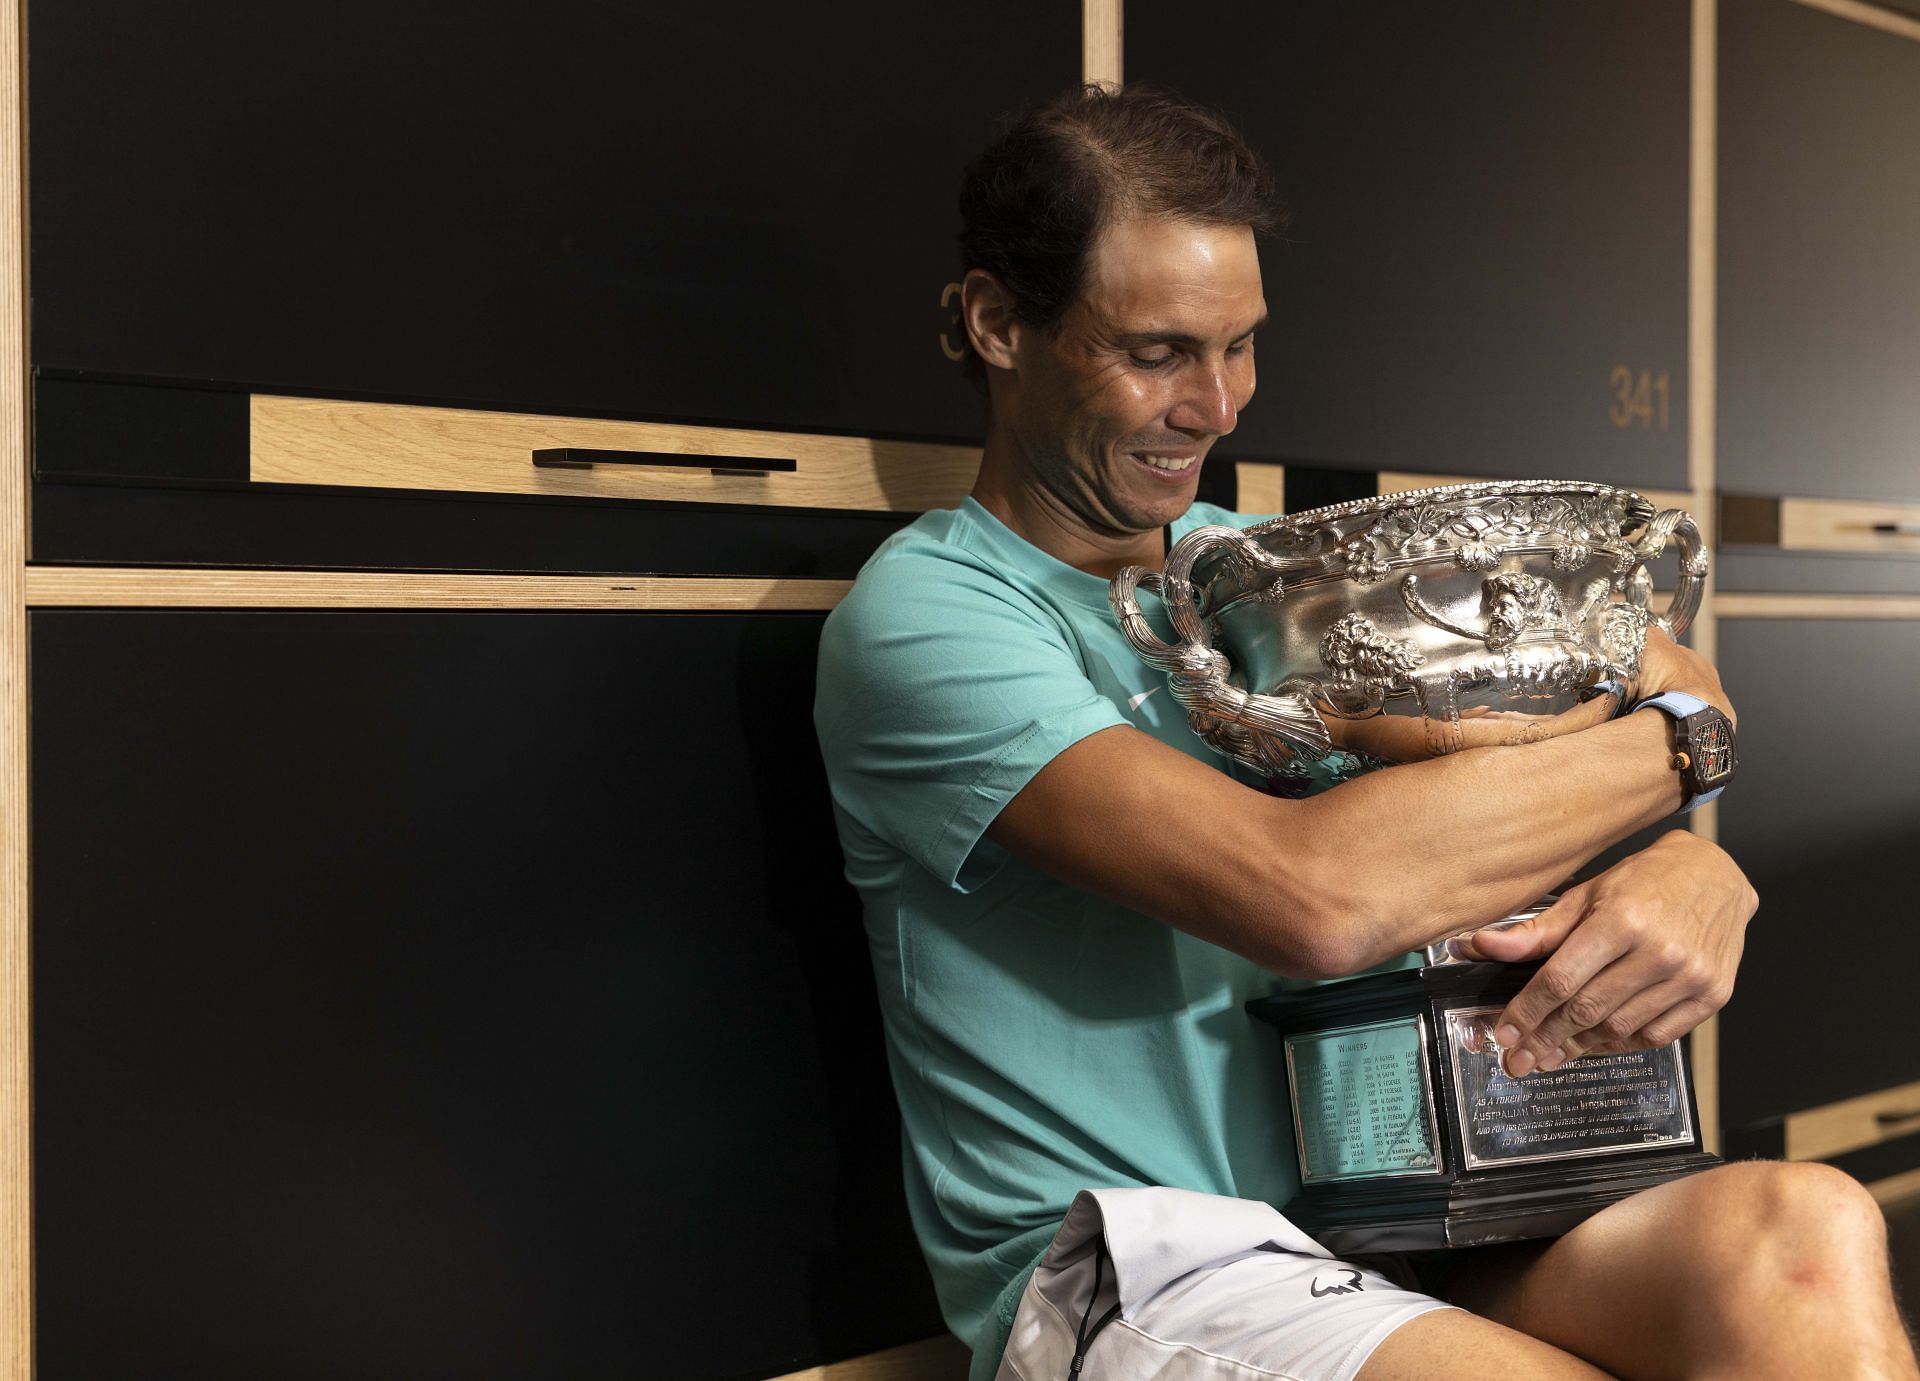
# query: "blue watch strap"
1676, 703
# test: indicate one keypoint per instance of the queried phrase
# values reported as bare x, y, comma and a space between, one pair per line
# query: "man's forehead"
1158, 274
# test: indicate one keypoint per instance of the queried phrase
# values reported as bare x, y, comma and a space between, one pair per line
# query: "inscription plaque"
1361, 1104
1411, 1137
1597, 1105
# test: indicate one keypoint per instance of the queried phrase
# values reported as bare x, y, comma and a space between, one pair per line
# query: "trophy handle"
1262, 731
1685, 603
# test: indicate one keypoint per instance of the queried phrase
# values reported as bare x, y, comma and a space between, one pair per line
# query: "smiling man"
1069, 896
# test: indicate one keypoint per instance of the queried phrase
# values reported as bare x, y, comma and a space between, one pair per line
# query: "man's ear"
987, 309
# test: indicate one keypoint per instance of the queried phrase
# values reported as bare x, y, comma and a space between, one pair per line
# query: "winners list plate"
1456, 616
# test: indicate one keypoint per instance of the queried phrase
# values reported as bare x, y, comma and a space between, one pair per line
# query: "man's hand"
1667, 666
1641, 955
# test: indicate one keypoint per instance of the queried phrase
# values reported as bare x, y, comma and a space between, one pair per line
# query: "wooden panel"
1101, 33
92, 587
144, 475
937, 1359
326, 441
1821, 1133
1825, 830
1260, 488
732, 212
1874, 16
1461, 290
1827, 525
16, 1167
1821, 525
486, 982
1896, 1189
1819, 296
1781, 606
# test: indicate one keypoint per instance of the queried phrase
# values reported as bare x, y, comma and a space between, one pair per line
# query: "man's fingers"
1592, 1014
1664, 1029
1524, 941
1619, 1030
1572, 967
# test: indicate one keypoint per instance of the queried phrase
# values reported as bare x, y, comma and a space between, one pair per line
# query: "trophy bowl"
1515, 600
1460, 608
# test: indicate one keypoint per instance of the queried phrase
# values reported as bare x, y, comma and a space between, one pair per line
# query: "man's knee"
1779, 1233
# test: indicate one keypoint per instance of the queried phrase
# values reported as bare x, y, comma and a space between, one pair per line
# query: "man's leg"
1455, 1346
1750, 1271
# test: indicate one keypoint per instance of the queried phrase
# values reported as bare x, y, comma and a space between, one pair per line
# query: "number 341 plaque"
1410, 1134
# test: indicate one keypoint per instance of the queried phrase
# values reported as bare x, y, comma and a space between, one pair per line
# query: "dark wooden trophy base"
1389, 1162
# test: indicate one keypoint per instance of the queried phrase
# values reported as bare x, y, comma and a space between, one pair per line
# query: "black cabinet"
1819, 292
1825, 818
1486, 270
450, 995
740, 211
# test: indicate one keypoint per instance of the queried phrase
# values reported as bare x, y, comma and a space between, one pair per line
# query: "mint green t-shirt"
1042, 1040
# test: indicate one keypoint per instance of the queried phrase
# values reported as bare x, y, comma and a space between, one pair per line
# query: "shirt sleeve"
942, 691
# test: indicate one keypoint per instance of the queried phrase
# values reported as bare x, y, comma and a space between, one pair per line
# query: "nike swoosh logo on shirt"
1134, 702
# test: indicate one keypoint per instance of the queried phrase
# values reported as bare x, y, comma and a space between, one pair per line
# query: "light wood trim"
1846, 525
1737, 606
936, 1359
1702, 462
1102, 33
1837, 1128
1259, 488
1896, 1189
16, 1062
1400, 482
397, 446
1873, 16
70, 587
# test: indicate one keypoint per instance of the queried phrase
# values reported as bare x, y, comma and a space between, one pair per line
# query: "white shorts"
1206, 1289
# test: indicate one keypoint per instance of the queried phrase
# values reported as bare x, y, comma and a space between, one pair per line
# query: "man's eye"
1158, 360
1241, 347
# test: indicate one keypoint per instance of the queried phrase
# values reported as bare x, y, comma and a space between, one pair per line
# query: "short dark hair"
1033, 204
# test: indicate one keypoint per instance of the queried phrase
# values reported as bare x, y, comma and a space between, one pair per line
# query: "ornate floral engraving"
1571, 556
1364, 562
1475, 555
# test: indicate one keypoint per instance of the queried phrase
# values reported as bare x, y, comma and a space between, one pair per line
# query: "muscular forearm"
1401, 857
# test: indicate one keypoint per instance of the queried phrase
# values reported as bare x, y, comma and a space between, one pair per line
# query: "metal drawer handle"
578, 458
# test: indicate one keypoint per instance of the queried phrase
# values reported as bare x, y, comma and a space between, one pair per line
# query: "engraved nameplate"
1597, 1105
1361, 1105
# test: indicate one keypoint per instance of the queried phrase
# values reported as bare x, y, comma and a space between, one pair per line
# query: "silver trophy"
1476, 613
1515, 598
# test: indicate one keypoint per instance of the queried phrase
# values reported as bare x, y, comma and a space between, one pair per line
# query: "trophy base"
1511, 1206
1411, 1136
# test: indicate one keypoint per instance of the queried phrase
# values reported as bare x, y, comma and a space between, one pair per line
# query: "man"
1069, 900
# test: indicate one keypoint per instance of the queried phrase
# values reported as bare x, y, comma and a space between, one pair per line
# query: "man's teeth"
1168, 462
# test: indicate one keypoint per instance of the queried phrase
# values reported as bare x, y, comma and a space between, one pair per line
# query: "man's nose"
1209, 405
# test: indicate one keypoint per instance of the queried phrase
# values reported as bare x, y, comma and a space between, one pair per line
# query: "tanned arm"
1401, 857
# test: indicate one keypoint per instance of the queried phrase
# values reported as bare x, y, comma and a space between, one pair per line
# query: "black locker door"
450, 995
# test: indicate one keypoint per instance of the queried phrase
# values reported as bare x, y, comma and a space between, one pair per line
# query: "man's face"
1114, 410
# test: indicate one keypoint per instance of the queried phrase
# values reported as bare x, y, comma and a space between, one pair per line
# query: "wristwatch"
1703, 745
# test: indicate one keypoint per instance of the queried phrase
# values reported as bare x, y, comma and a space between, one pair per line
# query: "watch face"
1710, 741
